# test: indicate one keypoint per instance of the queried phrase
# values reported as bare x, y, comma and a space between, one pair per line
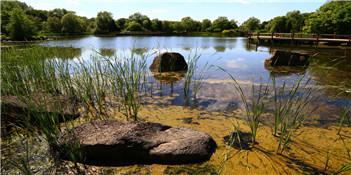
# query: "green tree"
251, 24
121, 23
206, 25
176, 26
134, 26
294, 21
71, 23
59, 13
189, 25
6, 9
233, 24
334, 16
19, 26
220, 24
53, 24
156, 25
278, 24
105, 23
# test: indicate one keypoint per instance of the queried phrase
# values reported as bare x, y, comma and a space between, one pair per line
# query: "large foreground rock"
168, 62
287, 58
117, 143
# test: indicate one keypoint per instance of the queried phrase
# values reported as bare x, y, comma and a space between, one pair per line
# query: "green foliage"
133, 26
278, 24
54, 25
230, 32
156, 25
220, 24
6, 11
334, 16
71, 23
19, 26
105, 23
250, 25
295, 21
206, 25
188, 24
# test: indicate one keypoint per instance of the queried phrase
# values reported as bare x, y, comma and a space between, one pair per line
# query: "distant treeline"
22, 22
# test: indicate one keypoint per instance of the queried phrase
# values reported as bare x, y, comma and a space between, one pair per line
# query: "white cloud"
236, 64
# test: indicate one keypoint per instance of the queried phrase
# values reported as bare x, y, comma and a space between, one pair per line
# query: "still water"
329, 71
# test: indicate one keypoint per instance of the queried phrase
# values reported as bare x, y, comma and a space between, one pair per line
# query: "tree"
59, 13
105, 23
121, 23
19, 26
334, 16
134, 26
294, 21
71, 23
220, 24
233, 24
176, 26
53, 24
6, 10
251, 24
156, 25
206, 25
189, 25
278, 24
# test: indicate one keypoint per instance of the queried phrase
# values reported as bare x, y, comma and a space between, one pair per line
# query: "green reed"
291, 107
345, 116
128, 79
254, 108
195, 76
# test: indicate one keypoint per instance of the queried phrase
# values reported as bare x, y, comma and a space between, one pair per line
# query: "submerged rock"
287, 58
168, 62
116, 143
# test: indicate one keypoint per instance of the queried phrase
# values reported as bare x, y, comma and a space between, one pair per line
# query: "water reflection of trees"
107, 52
63, 52
332, 71
139, 51
219, 48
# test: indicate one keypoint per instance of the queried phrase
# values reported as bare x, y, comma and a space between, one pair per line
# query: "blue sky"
239, 10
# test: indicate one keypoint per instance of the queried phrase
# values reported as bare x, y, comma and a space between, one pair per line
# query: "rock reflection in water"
169, 78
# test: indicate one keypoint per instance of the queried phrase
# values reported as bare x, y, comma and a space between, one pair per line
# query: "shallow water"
330, 70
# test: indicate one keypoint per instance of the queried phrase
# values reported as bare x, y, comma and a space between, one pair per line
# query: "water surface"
329, 71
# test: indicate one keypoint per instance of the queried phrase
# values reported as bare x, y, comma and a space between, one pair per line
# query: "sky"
239, 10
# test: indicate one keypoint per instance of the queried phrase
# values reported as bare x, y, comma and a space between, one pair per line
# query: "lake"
329, 70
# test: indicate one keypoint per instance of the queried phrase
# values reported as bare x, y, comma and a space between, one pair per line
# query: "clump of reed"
291, 107
195, 76
128, 78
37, 81
345, 117
254, 107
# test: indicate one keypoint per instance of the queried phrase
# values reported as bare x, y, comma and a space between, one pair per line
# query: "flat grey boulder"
115, 143
169, 62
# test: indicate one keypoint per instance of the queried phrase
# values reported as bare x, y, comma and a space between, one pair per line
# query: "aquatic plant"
345, 116
291, 106
194, 77
254, 108
343, 169
128, 78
